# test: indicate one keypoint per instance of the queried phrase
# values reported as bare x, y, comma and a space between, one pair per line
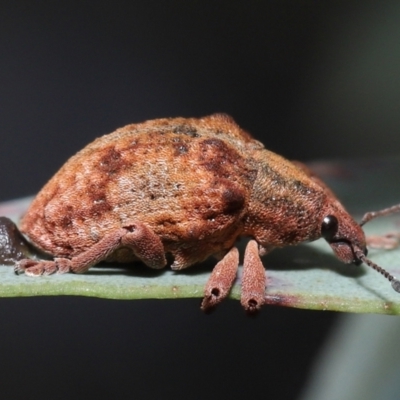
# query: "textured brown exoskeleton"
188, 188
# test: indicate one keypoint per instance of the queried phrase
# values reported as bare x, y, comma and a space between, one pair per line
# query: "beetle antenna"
374, 214
394, 281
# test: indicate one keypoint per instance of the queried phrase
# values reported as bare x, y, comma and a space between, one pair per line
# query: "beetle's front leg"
145, 244
221, 280
253, 278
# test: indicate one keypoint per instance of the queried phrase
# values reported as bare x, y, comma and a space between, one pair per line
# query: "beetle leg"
36, 268
146, 245
221, 280
253, 279
387, 242
183, 259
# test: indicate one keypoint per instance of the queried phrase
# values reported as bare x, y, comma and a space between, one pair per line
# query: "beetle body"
188, 184
188, 188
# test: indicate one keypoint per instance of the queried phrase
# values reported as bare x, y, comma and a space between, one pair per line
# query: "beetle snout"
344, 251
344, 236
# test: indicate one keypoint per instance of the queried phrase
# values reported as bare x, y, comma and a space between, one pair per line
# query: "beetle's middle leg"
145, 244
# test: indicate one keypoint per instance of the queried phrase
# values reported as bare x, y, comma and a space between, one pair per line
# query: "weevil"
176, 191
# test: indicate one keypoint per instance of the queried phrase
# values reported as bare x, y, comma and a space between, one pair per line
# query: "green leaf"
307, 276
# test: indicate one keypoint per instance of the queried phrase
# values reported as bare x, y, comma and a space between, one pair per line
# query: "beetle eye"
329, 227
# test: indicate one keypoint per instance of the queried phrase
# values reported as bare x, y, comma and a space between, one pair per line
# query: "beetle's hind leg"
145, 244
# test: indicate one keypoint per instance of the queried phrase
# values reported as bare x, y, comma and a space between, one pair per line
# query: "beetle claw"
35, 268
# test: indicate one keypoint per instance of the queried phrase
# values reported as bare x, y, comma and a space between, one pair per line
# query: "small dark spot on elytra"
180, 148
233, 199
183, 149
100, 209
98, 199
135, 143
303, 189
210, 216
68, 247
169, 222
186, 130
68, 215
111, 161
66, 222
216, 143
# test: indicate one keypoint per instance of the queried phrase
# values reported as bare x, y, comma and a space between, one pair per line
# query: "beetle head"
347, 240
343, 234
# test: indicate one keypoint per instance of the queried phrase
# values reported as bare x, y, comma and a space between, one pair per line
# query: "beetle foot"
41, 267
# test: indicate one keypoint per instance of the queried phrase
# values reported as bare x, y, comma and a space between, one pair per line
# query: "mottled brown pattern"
172, 174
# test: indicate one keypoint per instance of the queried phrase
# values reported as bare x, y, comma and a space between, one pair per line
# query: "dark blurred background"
311, 79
